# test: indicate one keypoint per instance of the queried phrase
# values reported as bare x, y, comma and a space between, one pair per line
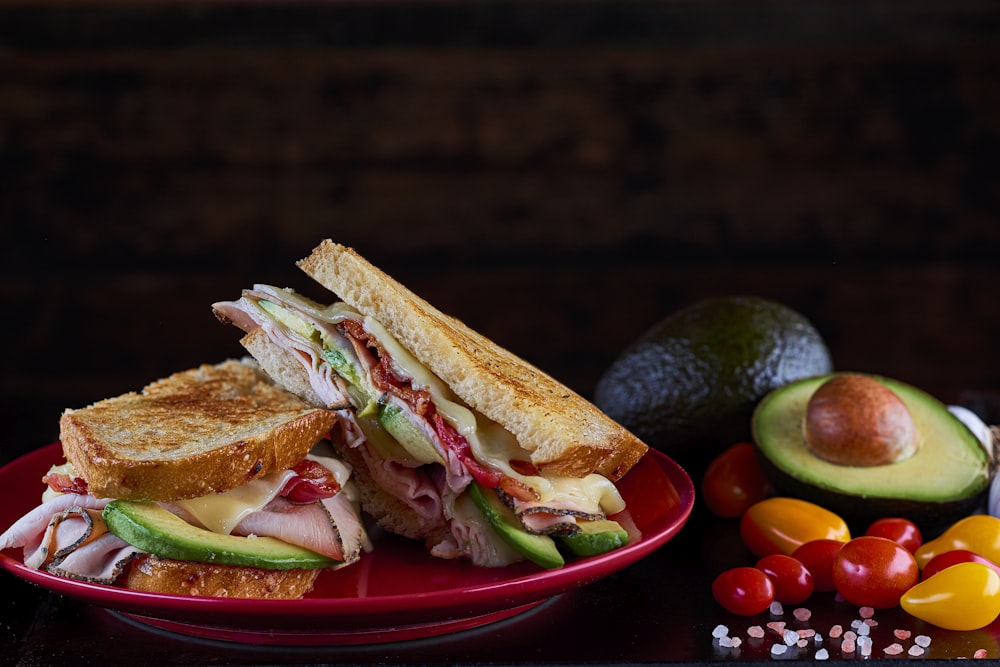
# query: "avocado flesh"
540, 549
944, 479
595, 538
155, 530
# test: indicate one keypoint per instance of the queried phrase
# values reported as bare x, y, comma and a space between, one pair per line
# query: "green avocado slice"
155, 530
595, 538
943, 480
540, 549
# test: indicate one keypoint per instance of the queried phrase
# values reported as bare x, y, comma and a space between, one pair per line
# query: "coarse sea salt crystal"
979, 654
755, 631
893, 649
735, 642
847, 645
726, 642
864, 630
777, 626
901, 635
822, 654
778, 649
790, 637
916, 651
836, 631
802, 614
922, 640
866, 612
720, 631
776, 608
865, 646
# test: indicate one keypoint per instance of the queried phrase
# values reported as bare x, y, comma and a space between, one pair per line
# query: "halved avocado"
945, 479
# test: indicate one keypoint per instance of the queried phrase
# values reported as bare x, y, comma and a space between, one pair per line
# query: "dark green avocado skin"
689, 385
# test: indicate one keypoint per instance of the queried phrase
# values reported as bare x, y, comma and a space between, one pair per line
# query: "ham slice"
27, 532
101, 560
308, 526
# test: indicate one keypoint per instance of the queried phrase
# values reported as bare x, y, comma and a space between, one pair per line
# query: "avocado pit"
854, 420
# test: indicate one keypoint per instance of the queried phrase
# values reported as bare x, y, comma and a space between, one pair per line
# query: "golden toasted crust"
205, 430
564, 433
176, 577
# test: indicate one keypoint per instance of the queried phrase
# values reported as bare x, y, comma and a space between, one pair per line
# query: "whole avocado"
689, 385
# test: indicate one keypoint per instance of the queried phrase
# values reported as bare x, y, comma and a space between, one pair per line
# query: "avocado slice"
155, 530
540, 549
945, 479
595, 538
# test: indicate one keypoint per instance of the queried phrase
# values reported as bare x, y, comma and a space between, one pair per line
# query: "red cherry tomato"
817, 557
897, 529
743, 590
949, 558
793, 583
874, 572
734, 481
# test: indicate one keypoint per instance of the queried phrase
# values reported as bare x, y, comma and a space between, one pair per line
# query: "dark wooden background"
561, 175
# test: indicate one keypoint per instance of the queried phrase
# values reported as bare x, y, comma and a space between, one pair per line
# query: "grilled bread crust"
176, 577
208, 429
563, 432
388, 511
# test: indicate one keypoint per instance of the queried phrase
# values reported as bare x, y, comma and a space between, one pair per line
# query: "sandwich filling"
420, 442
309, 506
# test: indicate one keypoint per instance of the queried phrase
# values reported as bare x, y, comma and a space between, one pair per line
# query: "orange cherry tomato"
781, 525
734, 481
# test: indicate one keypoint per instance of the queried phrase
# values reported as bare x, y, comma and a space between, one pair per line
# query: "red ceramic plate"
397, 592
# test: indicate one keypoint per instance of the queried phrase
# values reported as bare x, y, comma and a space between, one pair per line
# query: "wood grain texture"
559, 175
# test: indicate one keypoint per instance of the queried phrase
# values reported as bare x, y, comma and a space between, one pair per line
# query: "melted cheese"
221, 512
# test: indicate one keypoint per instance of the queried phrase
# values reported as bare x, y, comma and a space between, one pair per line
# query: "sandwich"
212, 482
453, 440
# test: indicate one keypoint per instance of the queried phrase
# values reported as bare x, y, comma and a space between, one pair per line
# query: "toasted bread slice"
563, 432
177, 577
205, 430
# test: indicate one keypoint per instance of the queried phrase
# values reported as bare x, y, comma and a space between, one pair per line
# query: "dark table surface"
659, 610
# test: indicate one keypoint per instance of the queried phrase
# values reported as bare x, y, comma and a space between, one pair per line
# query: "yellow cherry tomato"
979, 533
782, 525
962, 597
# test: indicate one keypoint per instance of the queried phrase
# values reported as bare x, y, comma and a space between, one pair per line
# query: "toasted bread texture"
176, 577
563, 432
204, 430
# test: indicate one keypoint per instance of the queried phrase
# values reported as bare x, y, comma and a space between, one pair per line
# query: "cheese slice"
221, 512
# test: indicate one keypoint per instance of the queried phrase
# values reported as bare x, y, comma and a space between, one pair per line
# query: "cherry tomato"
793, 583
897, 529
734, 481
874, 572
817, 556
780, 525
949, 558
743, 590
963, 597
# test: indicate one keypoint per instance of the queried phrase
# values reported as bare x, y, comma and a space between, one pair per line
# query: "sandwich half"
454, 440
211, 482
